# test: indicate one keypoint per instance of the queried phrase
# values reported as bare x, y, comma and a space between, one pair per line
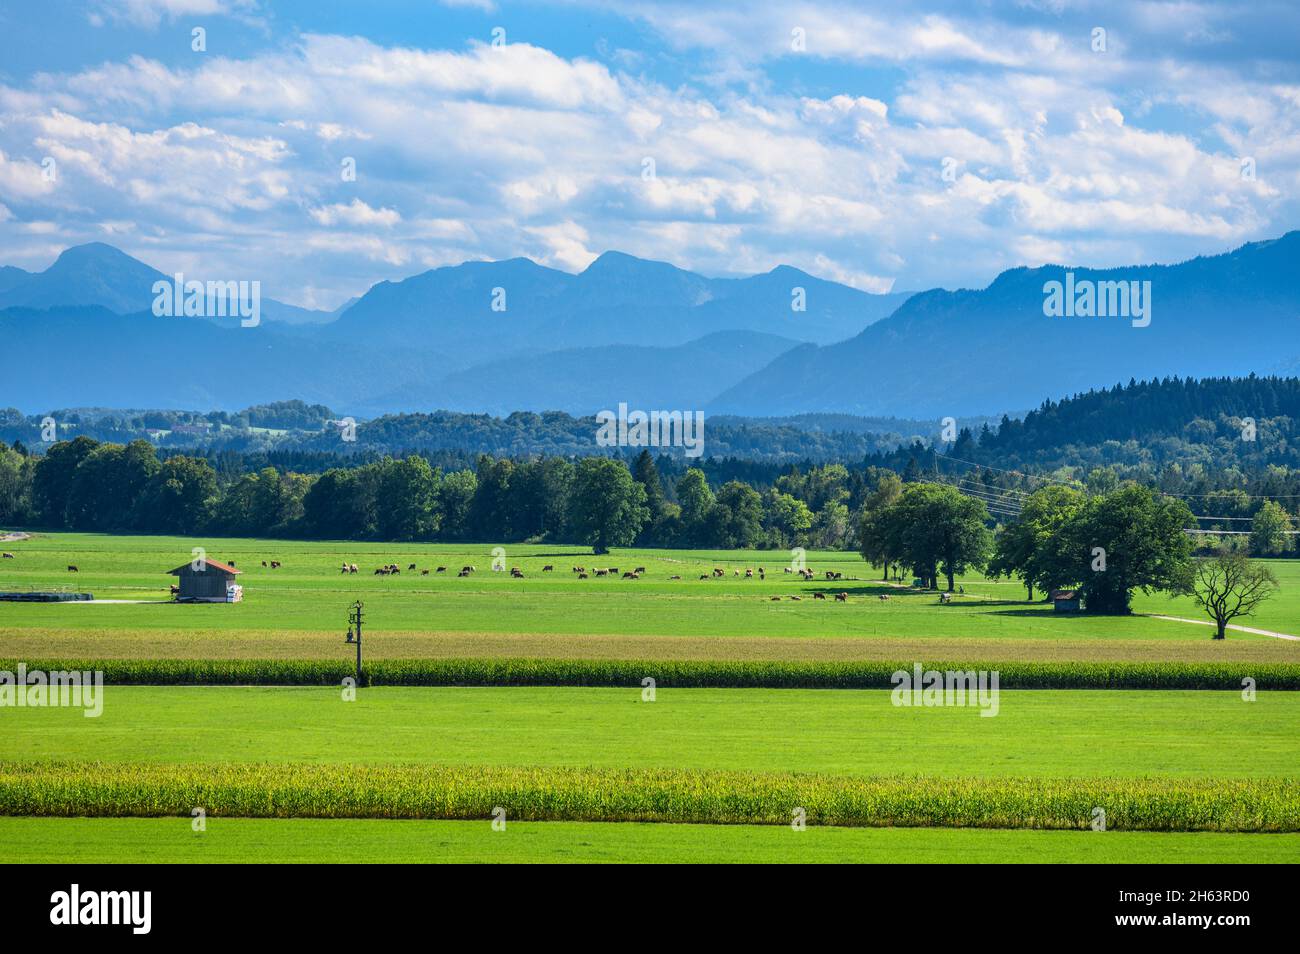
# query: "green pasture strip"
826, 731
741, 674
317, 841
566, 794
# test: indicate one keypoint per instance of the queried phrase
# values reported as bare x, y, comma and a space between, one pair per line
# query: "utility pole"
354, 634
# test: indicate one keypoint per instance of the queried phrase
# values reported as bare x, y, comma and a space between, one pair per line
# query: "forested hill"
1216, 421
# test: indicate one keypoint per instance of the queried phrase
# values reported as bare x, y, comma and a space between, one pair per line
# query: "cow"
945, 598
582, 576
411, 567
749, 574
381, 571
735, 573
263, 563
8, 556
704, 576
819, 596
674, 577
760, 574
776, 599
883, 597
788, 570
719, 572
629, 575
464, 572
841, 597
175, 590
613, 571
275, 564
424, 573
796, 597
639, 569
602, 572
72, 569
352, 568
548, 568
441, 569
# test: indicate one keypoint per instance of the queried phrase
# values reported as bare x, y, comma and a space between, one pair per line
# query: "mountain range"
515, 335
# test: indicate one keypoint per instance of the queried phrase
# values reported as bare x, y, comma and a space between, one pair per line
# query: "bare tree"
1229, 584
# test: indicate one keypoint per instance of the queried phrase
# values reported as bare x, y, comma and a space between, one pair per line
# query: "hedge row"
563, 794
669, 674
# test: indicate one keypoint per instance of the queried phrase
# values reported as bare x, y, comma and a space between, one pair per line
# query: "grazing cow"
819, 596
788, 570
72, 569
760, 574
749, 574
344, 568
639, 569
796, 597
441, 569
411, 567
464, 572
517, 573
674, 577
630, 576
263, 563
718, 572
841, 597
175, 589
548, 568
883, 597
776, 599
582, 576
424, 573
602, 572
613, 571
735, 573
945, 598
8, 556
704, 576
275, 564
352, 568
381, 571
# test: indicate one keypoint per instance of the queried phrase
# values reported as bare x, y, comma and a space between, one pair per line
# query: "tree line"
603, 502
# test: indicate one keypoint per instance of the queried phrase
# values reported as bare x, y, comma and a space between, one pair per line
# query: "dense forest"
1188, 440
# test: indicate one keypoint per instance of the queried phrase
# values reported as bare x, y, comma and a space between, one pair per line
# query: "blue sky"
885, 145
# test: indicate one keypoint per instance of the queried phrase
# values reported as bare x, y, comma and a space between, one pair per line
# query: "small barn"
1065, 601
207, 581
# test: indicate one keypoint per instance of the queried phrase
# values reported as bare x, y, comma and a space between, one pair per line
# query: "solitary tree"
607, 506
1229, 584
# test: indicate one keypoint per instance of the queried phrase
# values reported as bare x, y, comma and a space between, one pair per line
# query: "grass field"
299, 611
232, 840
1204, 764
846, 732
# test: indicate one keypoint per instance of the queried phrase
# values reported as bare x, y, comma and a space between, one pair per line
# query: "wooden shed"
1065, 601
207, 581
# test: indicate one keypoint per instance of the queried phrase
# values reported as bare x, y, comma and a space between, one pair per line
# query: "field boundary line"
1240, 629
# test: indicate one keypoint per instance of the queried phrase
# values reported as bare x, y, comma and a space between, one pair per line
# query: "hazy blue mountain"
618, 299
585, 380
99, 274
67, 357
11, 276
961, 352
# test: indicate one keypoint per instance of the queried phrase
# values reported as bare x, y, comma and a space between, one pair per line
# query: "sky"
889, 146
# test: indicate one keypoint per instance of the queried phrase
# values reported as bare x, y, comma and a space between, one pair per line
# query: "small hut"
207, 581
1065, 601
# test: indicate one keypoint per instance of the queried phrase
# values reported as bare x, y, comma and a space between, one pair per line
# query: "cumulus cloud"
338, 160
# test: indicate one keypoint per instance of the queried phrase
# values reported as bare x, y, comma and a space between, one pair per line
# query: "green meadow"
1188, 775
842, 732
314, 840
299, 610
